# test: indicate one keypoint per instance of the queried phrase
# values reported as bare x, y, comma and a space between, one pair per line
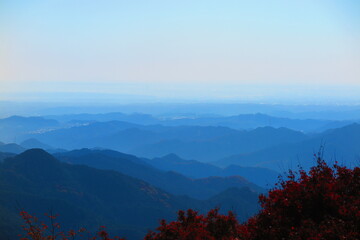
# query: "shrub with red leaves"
321, 204
192, 226
36, 230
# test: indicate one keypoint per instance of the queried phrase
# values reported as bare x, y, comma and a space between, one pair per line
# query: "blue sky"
203, 50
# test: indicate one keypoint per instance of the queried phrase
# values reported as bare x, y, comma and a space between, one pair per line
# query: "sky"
190, 50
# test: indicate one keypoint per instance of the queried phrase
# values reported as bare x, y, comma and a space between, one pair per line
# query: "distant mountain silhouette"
190, 168
124, 136
250, 121
341, 144
241, 121
190, 142
169, 181
211, 149
89, 135
263, 177
88, 197
15, 127
28, 121
137, 118
34, 143
11, 148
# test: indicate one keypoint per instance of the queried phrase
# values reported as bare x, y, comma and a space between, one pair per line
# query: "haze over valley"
173, 120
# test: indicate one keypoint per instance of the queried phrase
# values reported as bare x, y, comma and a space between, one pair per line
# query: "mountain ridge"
37, 181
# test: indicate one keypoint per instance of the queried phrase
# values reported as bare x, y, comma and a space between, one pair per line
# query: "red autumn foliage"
323, 203
36, 230
191, 225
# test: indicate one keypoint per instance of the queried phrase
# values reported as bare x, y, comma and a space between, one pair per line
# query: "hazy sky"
221, 50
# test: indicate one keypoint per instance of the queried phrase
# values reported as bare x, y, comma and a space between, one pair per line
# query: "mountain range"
263, 177
341, 144
189, 142
170, 181
128, 171
241, 121
14, 128
83, 196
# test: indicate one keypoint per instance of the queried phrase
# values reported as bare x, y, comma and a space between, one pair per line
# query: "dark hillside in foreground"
88, 197
4, 155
